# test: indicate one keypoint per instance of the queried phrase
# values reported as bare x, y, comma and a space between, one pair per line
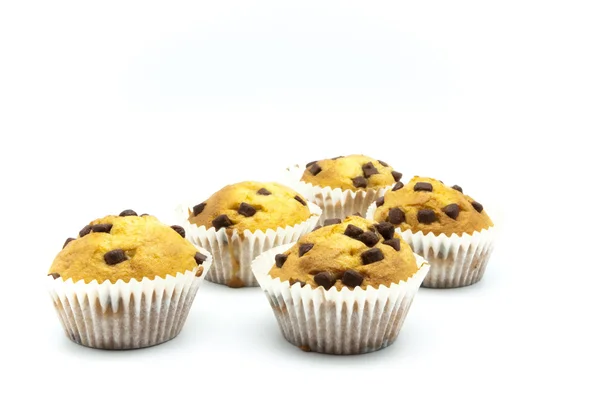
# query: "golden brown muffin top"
352, 253
427, 205
354, 172
252, 206
126, 247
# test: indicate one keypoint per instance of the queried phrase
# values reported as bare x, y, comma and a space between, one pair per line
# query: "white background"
117, 104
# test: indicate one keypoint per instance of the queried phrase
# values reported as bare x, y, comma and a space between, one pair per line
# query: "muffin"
449, 229
345, 288
242, 220
344, 185
126, 281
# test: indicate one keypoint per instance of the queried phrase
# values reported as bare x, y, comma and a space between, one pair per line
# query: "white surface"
106, 106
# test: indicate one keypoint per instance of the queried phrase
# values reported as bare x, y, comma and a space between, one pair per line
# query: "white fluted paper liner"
337, 322
335, 202
124, 315
233, 253
456, 261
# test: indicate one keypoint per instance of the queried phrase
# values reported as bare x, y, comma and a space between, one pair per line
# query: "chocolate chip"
315, 169
477, 206
379, 202
114, 257
304, 248
127, 212
452, 211
456, 187
352, 278
280, 259
86, 230
69, 240
384, 164
310, 163
102, 228
317, 227
294, 281
299, 199
263, 191
353, 231
246, 210
55, 275
369, 170
386, 229
179, 230
426, 216
360, 182
200, 258
145, 214
423, 186
325, 279
221, 221
368, 238
331, 221
398, 186
198, 209
394, 242
396, 216
371, 256
397, 175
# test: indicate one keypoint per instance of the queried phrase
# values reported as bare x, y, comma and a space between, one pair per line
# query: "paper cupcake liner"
456, 261
334, 202
122, 315
233, 253
337, 322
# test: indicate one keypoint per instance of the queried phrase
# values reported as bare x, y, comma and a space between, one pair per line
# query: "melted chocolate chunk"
371, 256
86, 230
299, 199
280, 259
114, 257
379, 202
102, 228
315, 169
198, 209
310, 163
264, 192
360, 182
179, 230
246, 210
396, 216
325, 279
423, 186
221, 221
397, 175
398, 186
369, 169
304, 248
386, 229
352, 278
353, 231
384, 164
456, 187
69, 240
368, 238
477, 206
426, 216
331, 221
452, 210
54, 275
199, 257
127, 212
394, 242
317, 227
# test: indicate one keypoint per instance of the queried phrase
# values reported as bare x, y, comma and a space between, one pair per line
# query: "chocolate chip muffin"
126, 282
353, 253
126, 247
353, 172
251, 206
428, 205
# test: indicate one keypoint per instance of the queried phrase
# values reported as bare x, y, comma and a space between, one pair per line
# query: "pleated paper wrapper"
456, 261
233, 253
122, 315
337, 322
335, 202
